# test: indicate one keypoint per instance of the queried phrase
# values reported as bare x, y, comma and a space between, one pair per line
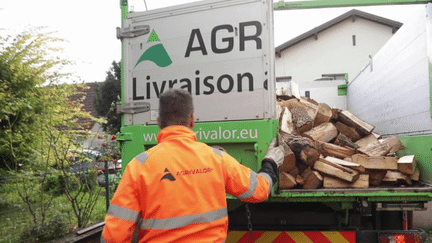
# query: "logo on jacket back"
155, 53
167, 176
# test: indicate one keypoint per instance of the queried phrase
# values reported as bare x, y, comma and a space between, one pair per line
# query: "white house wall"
332, 53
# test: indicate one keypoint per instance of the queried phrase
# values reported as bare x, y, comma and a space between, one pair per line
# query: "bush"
42, 232
56, 183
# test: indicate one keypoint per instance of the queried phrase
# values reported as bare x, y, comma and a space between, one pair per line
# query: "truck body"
222, 52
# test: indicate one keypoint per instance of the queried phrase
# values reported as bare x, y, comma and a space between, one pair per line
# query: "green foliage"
56, 184
42, 232
107, 96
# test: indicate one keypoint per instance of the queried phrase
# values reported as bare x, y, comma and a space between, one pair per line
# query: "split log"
290, 104
306, 173
303, 148
335, 113
348, 164
343, 140
328, 149
323, 114
294, 172
286, 123
309, 106
351, 120
279, 111
332, 182
295, 89
348, 131
416, 175
370, 146
336, 170
393, 143
396, 177
313, 181
289, 161
325, 132
299, 180
301, 119
286, 181
376, 162
376, 176
407, 164
309, 155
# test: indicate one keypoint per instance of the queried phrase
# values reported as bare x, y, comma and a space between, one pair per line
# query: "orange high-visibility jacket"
176, 192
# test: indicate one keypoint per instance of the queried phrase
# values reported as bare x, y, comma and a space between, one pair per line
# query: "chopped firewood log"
370, 146
407, 164
376, 162
416, 175
289, 161
286, 123
333, 182
336, 170
306, 173
290, 104
335, 113
351, 120
301, 119
396, 177
310, 107
328, 149
393, 143
299, 180
345, 163
279, 111
294, 172
303, 148
323, 114
313, 181
295, 89
376, 176
343, 140
325, 132
377, 136
309, 155
348, 131
286, 181
301, 166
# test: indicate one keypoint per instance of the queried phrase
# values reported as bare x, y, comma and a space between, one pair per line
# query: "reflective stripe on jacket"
176, 192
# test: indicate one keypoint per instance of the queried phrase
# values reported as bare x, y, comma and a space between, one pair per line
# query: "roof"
88, 103
354, 13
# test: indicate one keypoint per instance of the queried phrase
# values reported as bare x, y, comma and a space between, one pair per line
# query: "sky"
89, 26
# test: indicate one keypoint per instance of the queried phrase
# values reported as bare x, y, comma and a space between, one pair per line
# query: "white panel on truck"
220, 51
393, 91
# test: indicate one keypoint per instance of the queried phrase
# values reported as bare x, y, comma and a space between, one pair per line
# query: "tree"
107, 96
38, 122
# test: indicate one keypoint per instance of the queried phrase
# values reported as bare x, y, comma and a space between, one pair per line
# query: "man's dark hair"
175, 107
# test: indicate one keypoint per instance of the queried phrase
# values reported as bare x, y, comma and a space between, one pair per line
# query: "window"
331, 77
283, 79
354, 40
307, 94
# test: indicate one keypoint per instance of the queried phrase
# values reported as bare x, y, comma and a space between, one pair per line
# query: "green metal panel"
247, 141
281, 5
421, 147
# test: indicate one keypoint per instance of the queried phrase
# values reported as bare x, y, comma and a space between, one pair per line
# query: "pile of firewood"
332, 148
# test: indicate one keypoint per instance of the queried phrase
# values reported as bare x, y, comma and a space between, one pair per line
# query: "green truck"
227, 64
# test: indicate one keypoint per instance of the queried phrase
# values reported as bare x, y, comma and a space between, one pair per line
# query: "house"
321, 59
97, 135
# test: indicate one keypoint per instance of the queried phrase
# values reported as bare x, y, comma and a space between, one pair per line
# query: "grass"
15, 216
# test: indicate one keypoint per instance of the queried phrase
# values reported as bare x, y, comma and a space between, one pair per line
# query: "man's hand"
275, 154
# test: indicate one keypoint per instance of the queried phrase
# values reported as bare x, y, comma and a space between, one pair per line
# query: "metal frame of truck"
328, 210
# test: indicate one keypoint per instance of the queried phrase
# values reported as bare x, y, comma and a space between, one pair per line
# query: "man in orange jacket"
176, 191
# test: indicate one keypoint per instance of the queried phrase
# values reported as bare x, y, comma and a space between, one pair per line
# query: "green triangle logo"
156, 53
153, 37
